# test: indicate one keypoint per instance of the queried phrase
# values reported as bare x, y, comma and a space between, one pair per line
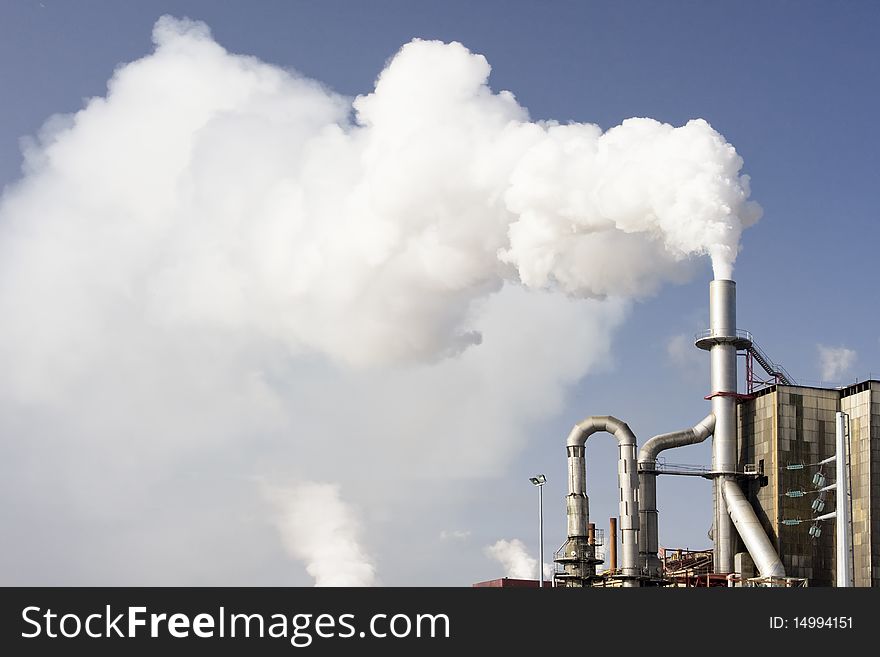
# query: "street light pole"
541, 536
539, 481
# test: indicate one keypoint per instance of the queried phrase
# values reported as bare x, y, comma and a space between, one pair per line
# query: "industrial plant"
792, 467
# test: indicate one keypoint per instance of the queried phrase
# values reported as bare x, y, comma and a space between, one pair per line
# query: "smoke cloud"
515, 559
319, 529
222, 271
835, 362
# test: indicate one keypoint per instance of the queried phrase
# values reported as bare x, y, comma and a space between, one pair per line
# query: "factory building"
786, 431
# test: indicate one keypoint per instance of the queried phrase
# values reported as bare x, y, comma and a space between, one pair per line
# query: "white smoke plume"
835, 362
318, 528
516, 560
221, 190
222, 270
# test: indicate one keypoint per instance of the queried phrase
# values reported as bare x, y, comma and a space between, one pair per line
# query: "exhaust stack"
722, 342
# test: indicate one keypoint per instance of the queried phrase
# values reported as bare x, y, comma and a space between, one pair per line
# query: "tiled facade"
786, 425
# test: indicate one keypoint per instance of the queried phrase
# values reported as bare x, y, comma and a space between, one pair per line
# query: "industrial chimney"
637, 476
722, 342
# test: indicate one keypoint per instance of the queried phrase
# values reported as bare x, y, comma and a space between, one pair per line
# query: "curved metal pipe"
696, 434
750, 530
648, 536
627, 477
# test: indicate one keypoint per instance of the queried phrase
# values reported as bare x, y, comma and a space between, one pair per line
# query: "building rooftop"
844, 391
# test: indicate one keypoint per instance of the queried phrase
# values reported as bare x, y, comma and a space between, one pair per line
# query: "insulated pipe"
577, 502
750, 530
722, 353
648, 536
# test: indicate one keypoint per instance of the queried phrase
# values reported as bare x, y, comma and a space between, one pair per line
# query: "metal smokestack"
722, 354
722, 342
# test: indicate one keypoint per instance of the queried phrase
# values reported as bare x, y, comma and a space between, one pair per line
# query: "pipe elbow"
705, 427
620, 429
698, 433
648, 452
596, 423
577, 437
584, 429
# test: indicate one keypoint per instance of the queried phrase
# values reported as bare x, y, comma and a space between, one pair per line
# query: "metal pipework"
722, 321
648, 534
722, 342
578, 554
577, 502
844, 552
750, 530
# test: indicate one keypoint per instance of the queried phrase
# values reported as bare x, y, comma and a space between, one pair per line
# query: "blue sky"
792, 85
